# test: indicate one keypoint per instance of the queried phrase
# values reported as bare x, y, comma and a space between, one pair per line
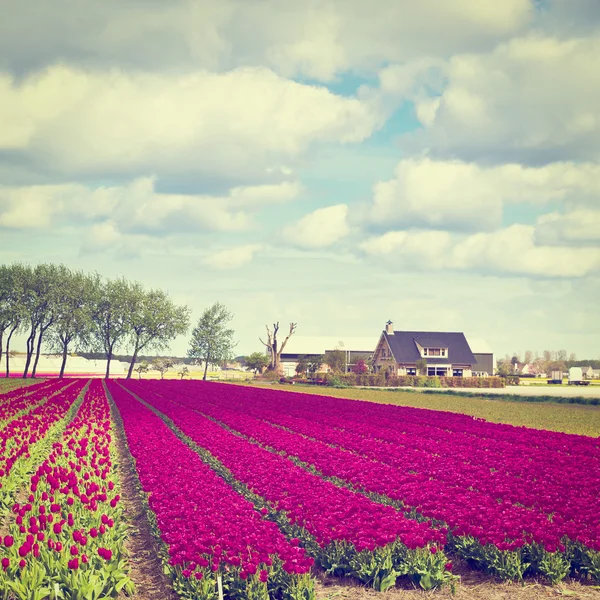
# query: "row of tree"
534, 364
65, 310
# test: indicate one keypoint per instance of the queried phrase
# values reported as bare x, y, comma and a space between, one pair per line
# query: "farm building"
297, 347
447, 354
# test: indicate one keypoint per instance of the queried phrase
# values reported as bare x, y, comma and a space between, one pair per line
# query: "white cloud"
509, 251
233, 258
577, 227
450, 194
136, 207
314, 38
424, 248
234, 124
533, 99
320, 228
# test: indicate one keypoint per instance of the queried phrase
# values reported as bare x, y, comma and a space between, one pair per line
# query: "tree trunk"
108, 359
30, 343
38, 350
8, 350
205, 369
132, 364
64, 360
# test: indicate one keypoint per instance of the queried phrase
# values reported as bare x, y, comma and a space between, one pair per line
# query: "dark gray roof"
404, 348
430, 342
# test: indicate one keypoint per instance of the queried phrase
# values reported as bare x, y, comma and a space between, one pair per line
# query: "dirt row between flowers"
567, 418
474, 585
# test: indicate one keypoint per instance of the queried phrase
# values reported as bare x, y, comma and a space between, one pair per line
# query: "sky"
328, 162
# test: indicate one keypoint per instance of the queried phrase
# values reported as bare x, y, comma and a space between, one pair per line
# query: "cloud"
531, 100
509, 251
237, 124
320, 228
451, 194
316, 39
136, 208
578, 227
233, 258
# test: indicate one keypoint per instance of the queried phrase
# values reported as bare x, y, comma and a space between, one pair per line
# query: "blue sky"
324, 163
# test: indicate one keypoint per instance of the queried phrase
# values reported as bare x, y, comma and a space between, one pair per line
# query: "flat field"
167, 489
568, 418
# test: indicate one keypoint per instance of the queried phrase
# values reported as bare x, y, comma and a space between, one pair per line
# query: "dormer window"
434, 351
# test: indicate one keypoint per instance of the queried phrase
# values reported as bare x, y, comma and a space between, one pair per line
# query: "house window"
441, 372
410, 371
457, 373
424, 351
431, 371
443, 351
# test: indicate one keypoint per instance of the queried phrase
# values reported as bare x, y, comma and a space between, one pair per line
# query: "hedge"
380, 380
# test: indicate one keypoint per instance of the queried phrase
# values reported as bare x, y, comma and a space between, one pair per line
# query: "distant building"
587, 372
447, 354
485, 364
355, 348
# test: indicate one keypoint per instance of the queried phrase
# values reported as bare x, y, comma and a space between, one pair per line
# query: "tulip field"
255, 494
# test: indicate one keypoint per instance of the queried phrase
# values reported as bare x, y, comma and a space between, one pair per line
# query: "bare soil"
473, 585
146, 569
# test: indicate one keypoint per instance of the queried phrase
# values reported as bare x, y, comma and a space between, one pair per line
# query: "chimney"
389, 327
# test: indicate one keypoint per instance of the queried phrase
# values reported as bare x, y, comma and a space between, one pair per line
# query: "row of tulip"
347, 533
24, 390
67, 536
213, 538
22, 400
477, 489
25, 441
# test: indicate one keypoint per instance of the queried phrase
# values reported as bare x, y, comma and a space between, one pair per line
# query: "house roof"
404, 348
431, 342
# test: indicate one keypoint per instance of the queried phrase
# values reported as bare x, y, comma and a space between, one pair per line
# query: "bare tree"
272, 344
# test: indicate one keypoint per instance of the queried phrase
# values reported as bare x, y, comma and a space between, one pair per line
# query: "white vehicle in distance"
576, 377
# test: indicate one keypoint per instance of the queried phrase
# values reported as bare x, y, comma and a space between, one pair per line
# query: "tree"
360, 367
77, 296
422, 366
110, 317
301, 366
184, 372
514, 361
257, 362
536, 367
154, 321
272, 344
142, 367
41, 306
162, 365
336, 360
13, 282
212, 341
505, 367
313, 363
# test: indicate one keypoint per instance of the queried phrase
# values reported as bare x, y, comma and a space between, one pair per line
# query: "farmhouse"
446, 354
588, 372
